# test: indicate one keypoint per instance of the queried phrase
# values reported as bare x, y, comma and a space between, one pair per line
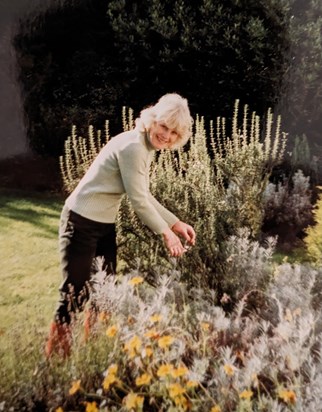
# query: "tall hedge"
80, 63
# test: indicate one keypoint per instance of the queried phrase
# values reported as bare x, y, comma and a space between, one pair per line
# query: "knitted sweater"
122, 166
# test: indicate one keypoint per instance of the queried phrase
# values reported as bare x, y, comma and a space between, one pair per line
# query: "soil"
30, 173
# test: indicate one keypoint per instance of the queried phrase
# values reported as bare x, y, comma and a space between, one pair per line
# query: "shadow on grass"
35, 209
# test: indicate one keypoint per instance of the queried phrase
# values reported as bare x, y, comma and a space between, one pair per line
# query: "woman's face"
162, 137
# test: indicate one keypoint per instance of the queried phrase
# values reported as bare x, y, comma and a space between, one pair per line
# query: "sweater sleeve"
134, 169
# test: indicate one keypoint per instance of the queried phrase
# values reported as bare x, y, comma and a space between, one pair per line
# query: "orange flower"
152, 334
165, 341
112, 331
147, 352
109, 380
287, 396
192, 384
133, 346
215, 408
75, 387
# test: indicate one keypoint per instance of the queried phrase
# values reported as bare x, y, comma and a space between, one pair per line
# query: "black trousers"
80, 241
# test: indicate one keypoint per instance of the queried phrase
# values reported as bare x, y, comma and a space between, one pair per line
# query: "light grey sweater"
122, 166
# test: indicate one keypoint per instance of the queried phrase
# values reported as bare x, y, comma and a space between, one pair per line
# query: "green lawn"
29, 274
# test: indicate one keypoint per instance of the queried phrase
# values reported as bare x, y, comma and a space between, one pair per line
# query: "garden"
231, 326
235, 324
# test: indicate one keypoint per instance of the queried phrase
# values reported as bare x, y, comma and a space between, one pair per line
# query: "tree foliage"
81, 62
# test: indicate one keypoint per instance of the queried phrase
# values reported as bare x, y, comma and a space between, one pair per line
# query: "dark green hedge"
79, 64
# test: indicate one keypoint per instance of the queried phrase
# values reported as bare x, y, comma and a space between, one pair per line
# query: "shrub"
288, 202
218, 193
313, 240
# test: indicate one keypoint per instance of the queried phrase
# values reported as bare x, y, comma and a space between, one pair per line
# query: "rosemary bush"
216, 185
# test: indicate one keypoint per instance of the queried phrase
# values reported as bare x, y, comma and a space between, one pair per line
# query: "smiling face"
162, 137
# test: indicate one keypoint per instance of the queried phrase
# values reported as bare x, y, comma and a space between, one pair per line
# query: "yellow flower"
112, 370
176, 390
229, 369
144, 379
155, 318
135, 281
59, 409
180, 371
192, 384
91, 407
152, 334
182, 402
246, 394
215, 408
205, 326
103, 316
133, 401
165, 341
165, 370
75, 387
148, 352
287, 396
112, 331
109, 380
133, 346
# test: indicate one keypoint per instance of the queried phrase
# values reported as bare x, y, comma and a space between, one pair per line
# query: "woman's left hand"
186, 231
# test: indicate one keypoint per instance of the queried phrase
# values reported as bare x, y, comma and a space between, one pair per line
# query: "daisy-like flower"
180, 371
144, 379
60, 409
152, 334
147, 352
205, 326
91, 407
103, 316
112, 331
133, 401
192, 384
112, 370
136, 280
175, 389
287, 396
155, 318
182, 402
215, 408
109, 380
229, 369
246, 394
165, 341
164, 370
75, 387
133, 346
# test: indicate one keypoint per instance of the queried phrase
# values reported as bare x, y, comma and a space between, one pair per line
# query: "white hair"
171, 110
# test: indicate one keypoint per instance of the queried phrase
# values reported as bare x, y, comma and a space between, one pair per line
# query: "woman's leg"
79, 239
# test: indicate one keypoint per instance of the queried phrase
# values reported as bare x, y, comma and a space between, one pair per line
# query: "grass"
29, 274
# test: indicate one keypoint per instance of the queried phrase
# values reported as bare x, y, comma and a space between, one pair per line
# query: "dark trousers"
80, 241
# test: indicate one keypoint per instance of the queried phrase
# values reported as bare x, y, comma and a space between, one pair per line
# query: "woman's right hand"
173, 243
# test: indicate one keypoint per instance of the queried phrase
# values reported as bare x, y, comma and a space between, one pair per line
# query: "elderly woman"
87, 226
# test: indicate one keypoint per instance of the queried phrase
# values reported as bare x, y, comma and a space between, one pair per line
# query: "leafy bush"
169, 347
289, 202
313, 239
80, 62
